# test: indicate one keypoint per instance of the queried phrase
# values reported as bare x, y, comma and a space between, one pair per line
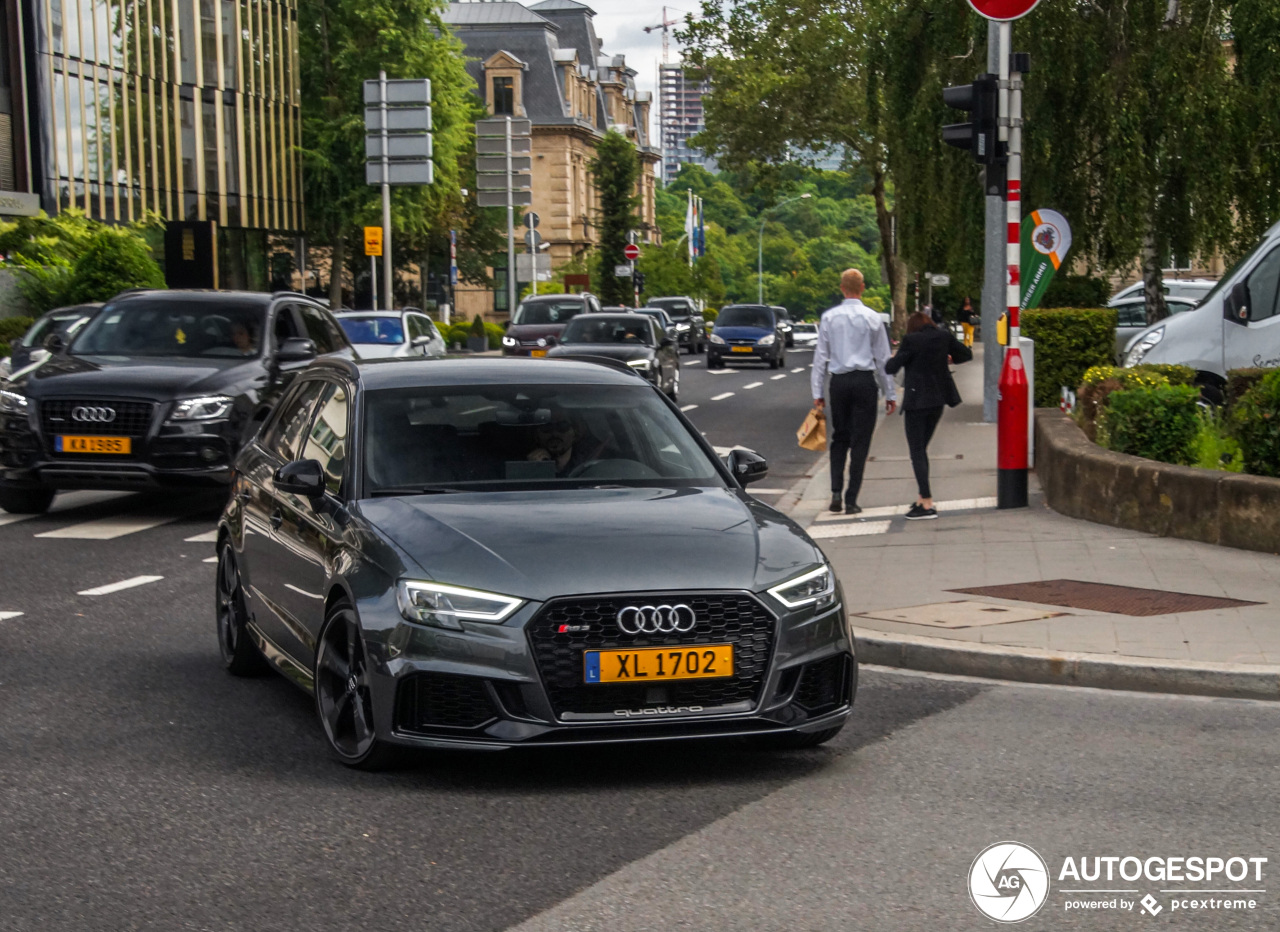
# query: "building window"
504, 97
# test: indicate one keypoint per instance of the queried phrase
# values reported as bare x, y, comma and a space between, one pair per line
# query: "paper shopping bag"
812, 434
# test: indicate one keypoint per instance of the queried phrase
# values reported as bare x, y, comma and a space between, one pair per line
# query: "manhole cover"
965, 614
1101, 597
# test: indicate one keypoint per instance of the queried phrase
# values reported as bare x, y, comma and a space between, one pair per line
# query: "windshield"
806, 328
746, 317
1230, 273
546, 312
781, 313
499, 437
676, 307
54, 323
384, 330
172, 327
595, 329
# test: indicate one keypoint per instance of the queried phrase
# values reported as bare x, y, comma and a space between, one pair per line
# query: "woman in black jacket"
924, 352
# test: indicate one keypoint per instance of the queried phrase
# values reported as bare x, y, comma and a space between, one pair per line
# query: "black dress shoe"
852, 510
837, 505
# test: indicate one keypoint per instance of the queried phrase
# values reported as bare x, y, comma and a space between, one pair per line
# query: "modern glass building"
185, 108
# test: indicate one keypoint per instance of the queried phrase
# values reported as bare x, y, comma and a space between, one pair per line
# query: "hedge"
1098, 383
1240, 381
1159, 423
12, 328
1069, 341
1255, 422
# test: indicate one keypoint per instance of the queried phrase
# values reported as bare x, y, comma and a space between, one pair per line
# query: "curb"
940, 655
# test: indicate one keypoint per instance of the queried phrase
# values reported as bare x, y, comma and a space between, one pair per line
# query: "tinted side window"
286, 326
1263, 282
327, 439
1132, 315
285, 438
319, 330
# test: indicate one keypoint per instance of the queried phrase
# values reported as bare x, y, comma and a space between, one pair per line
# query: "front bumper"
741, 352
496, 686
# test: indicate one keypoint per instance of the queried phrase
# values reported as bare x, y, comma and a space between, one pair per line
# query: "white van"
1235, 326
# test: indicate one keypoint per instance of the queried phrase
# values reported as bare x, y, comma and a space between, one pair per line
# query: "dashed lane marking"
688, 407
209, 560
799, 369
722, 396
862, 529
692, 362
110, 528
130, 583
752, 385
721, 371
774, 378
65, 501
5, 616
208, 537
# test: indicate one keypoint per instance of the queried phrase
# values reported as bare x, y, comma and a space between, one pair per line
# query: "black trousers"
851, 414
920, 426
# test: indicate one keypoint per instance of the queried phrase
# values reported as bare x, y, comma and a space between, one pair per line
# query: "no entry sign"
631, 251
1003, 9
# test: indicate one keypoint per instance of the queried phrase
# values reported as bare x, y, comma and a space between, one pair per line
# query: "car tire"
775, 362
674, 393
240, 655
794, 740
702, 347
20, 501
713, 362
344, 701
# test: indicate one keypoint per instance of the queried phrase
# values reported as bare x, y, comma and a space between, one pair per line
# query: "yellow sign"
373, 241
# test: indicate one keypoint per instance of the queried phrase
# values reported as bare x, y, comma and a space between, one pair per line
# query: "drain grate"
1101, 597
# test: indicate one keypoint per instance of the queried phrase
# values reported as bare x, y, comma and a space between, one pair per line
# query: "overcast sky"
620, 25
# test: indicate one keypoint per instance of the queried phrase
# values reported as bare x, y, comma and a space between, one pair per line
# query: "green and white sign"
1046, 239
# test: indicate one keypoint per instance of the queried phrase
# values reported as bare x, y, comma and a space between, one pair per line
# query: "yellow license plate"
649, 664
538, 352
743, 349
68, 444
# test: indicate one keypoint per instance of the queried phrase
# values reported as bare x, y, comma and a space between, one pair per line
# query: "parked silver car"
1133, 319
380, 334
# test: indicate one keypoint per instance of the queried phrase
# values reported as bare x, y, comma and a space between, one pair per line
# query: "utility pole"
388, 288
993, 290
504, 178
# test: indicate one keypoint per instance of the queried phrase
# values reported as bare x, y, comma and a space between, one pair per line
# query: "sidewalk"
900, 579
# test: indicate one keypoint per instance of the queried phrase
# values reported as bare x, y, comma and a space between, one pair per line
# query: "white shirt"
851, 337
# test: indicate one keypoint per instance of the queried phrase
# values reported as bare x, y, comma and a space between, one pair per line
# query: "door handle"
277, 518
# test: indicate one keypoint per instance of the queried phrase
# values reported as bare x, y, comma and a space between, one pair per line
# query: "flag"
689, 227
702, 232
1046, 239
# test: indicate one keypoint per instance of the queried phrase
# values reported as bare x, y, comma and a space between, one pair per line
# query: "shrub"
495, 333
12, 328
457, 333
1177, 375
1159, 423
1255, 421
1098, 382
1069, 341
1212, 447
1240, 381
477, 326
709, 315
114, 261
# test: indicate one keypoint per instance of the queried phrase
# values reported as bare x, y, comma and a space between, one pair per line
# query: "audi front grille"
591, 624
130, 419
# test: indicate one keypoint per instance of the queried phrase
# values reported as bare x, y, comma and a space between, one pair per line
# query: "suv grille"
734, 618
426, 702
132, 418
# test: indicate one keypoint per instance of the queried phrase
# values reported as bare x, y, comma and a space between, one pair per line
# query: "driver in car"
558, 441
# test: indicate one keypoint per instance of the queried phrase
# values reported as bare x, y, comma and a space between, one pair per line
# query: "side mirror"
552, 341
1235, 307
296, 349
421, 341
55, 343
747, 466
38, 355
506, 324
301, 477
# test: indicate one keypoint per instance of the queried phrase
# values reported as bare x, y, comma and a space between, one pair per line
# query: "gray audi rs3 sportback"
489, 553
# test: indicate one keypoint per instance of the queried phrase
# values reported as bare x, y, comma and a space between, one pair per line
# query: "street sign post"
373, 249
504, 179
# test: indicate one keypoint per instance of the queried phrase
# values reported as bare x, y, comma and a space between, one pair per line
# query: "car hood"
542, 544
742, 333
610, 350
533, 331
156, 378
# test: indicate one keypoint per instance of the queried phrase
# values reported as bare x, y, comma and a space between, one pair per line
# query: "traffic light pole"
1012, 440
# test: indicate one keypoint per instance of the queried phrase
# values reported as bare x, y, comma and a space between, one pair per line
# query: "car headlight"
1143, 346
766, 340
204, 408
641, 364
510, 341
14, 402
428, 603
716, 338
682, 327
816, 587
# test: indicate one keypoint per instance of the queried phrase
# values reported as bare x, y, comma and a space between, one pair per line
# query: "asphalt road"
143, 788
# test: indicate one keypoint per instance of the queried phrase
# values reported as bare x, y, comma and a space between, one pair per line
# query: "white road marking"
692, 362
112, 527
755, 491
208, 537
722, 396
688, 407
66, 501
722, 371
5, 616
6, 518
862, 529
209, 560
800, 369
774, 378
752, 385
123, 584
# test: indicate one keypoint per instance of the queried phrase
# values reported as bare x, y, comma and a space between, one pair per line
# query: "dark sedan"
634, 339
487, 553
159, 389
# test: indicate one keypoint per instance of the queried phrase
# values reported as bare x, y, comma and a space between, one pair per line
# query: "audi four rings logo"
93, 415
656, 619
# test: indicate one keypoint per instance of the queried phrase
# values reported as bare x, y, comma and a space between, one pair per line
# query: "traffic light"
639, 281
982, 99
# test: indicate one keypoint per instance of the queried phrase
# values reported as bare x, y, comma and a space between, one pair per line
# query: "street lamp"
760, 246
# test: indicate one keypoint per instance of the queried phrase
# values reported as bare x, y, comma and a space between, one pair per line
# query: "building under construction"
680, 109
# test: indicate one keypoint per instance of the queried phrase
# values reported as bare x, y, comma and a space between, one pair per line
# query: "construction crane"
665, 26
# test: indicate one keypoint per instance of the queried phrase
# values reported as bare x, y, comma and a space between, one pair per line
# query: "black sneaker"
837, 504
852, 510
918, 512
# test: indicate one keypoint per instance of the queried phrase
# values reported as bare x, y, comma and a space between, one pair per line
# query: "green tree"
615, 169
114, 260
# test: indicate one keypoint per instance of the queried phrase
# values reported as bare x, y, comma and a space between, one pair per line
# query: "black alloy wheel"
343, 698
20, 501
240, 655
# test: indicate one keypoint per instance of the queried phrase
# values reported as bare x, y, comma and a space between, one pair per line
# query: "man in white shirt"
854, 346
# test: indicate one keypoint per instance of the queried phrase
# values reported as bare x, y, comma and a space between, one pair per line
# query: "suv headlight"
767, 340
1143, 346
716, 338
428, 603
510, 341
641, 364
816, 587
204, 408
682, 327
14, 402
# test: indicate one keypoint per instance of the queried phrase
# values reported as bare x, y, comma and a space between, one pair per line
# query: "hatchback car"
160, 389
746, 333
633, 339
54, 327
487, 553
377, 334
539, 321
1131, 320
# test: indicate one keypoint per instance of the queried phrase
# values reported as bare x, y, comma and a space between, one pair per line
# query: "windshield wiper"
416, 490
